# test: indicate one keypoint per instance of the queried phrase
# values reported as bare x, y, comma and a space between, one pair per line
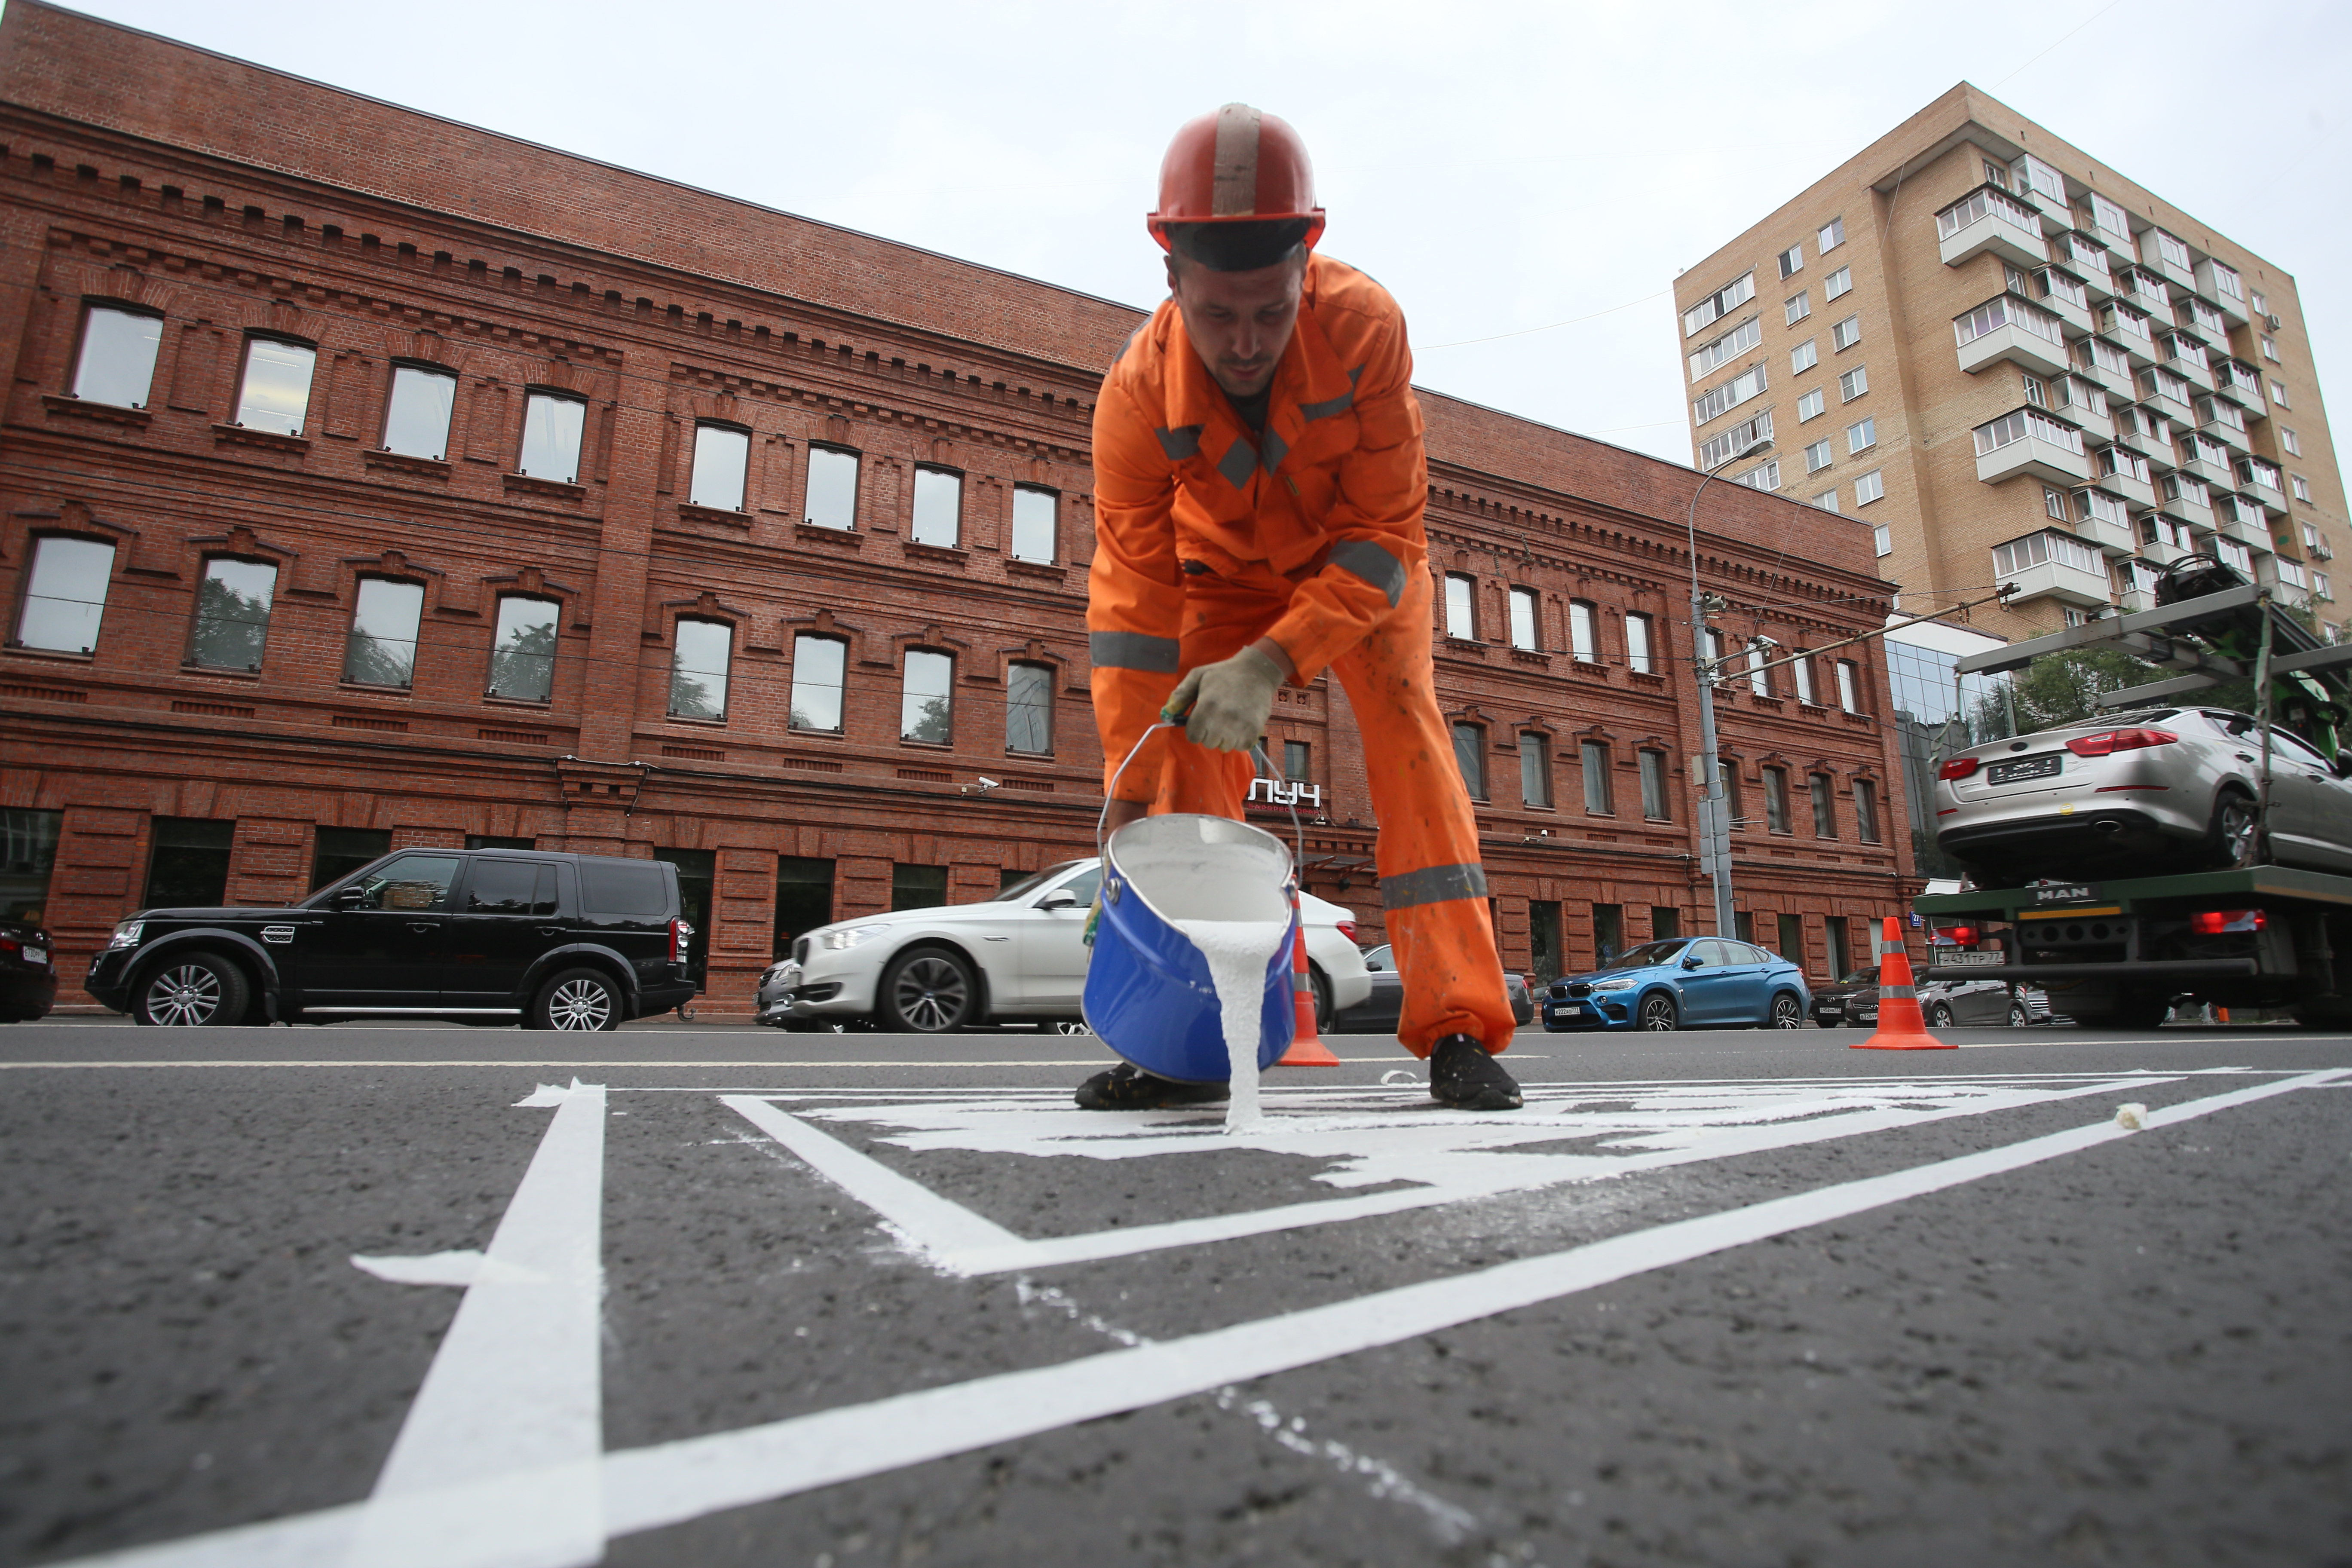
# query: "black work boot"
1128, 1087
1463, 1076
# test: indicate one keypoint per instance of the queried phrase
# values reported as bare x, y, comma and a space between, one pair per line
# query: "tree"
2065, 688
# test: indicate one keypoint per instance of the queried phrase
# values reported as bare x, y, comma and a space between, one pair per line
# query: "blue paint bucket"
1149, 995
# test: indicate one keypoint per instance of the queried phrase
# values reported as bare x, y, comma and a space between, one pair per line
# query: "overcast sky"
1500, 167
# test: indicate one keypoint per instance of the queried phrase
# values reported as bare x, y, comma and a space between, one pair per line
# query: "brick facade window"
1865, 811
233, 602
938, 509
1600, 797
698, 668
417, 417
1526, 628
381, 649
1583, 633
818, 666
1637, 644
926, 699
832, 489
522, 657
1029, 709
117, 363
1849, 684
1461, 606
1775, 800
1535, 769
550, 437
1470, 756
722, 454
1824, 806
1760, 654
1800, 674
274, 394
1299, 761
1034, 530
28, 858
1727, 770
65, 595
1657, 803
187, 862
337, 852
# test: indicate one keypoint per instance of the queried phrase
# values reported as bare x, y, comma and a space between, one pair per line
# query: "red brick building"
369, 480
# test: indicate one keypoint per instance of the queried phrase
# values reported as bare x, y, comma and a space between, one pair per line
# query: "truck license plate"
2028, 768
1970, 960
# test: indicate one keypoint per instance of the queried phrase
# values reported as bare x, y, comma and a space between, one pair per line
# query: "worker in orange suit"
1259, 484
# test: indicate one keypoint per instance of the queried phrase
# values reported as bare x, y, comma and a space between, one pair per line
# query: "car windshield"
1647, 954
1861, 977
1030, 883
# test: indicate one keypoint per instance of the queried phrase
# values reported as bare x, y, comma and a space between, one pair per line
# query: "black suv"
479, 936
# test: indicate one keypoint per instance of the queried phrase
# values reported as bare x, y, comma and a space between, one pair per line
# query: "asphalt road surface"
457, 1298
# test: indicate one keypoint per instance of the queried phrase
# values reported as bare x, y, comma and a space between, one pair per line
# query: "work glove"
1228, 701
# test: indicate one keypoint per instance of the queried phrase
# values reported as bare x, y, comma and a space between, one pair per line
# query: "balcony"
2059, 580
2162, 392
2009, 328
2126, 329
2161, 552
2028, 441
2112, 538
2167, 258
2145, 292
2119, 482
2095, 423
2221, 422
2239, 383
2080, 255
2208, 462
2065, 298
2135, 432
2203, 321
2131, 601
2222, 285
2259, 483
2104, 366
2286, 578
2186, 507
1989, 218
2184, 357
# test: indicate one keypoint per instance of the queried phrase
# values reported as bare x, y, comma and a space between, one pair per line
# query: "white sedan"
1018, 956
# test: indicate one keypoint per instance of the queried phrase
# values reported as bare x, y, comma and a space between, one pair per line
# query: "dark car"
1963, 1004
29, 973
482, 936
1379, 1012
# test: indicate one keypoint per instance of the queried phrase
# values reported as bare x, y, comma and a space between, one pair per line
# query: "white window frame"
1869, 488
1461, 606
1811, 405
1804, 356
1836, 284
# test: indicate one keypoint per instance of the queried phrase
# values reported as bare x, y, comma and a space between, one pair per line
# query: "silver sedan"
2142, 793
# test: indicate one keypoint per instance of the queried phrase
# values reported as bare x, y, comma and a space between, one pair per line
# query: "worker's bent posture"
1258, 491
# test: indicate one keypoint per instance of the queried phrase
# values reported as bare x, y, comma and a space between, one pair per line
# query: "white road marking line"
1449, 1175
461, 1266
673, 1482
498, 1461
596, 1063
938, 1227
670, 1483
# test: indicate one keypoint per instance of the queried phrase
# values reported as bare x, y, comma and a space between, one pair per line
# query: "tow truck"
2122, 953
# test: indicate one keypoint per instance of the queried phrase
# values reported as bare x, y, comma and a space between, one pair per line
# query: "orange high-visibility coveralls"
1208, 538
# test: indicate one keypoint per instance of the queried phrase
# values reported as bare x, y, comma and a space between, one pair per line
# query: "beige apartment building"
2023, 367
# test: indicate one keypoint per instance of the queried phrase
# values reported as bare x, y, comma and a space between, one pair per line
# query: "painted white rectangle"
936, 1224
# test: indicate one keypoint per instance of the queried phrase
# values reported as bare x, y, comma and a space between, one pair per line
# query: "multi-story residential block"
2019, 365
351, 500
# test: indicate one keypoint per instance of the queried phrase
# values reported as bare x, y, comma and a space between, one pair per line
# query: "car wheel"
1786, 1014
1658, 1014
927, 991
192, 990
1939, 1016
1321, 989
2020, 1015
2232, 829
579, 999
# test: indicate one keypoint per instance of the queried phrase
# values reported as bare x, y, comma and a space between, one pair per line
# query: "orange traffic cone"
1900, 1027
1307, 1048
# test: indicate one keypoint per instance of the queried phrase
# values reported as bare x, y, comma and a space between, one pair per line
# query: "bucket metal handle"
1298, 829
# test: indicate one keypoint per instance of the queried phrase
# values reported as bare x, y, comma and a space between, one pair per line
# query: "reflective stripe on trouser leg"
1428, 849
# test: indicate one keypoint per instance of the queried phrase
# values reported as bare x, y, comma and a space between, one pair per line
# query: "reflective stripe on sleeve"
1132, 650
1433, 885
1235, 465
1180, 443
1373, 565
1330, 406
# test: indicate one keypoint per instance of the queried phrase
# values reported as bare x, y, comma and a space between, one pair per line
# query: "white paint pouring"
1238, 952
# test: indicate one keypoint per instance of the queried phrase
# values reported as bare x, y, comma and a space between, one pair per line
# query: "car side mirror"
349, 898
1692, 962
1059, 898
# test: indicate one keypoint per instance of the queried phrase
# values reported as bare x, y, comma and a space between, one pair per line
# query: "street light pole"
1714, 823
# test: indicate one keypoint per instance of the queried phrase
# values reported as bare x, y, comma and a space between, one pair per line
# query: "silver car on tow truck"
2143, 793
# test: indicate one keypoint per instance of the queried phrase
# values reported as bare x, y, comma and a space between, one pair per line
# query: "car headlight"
1613, 984
850, 936
127, 934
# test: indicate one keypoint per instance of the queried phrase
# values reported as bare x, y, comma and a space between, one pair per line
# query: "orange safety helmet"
1237, 165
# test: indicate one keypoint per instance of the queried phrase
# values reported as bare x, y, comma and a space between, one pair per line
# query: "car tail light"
2214, 922
2107, 742
1961, 936
1957, 768
679, 934
9, 947
1347, 929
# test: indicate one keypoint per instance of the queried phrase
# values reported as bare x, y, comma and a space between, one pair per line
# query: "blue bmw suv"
1701, 981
